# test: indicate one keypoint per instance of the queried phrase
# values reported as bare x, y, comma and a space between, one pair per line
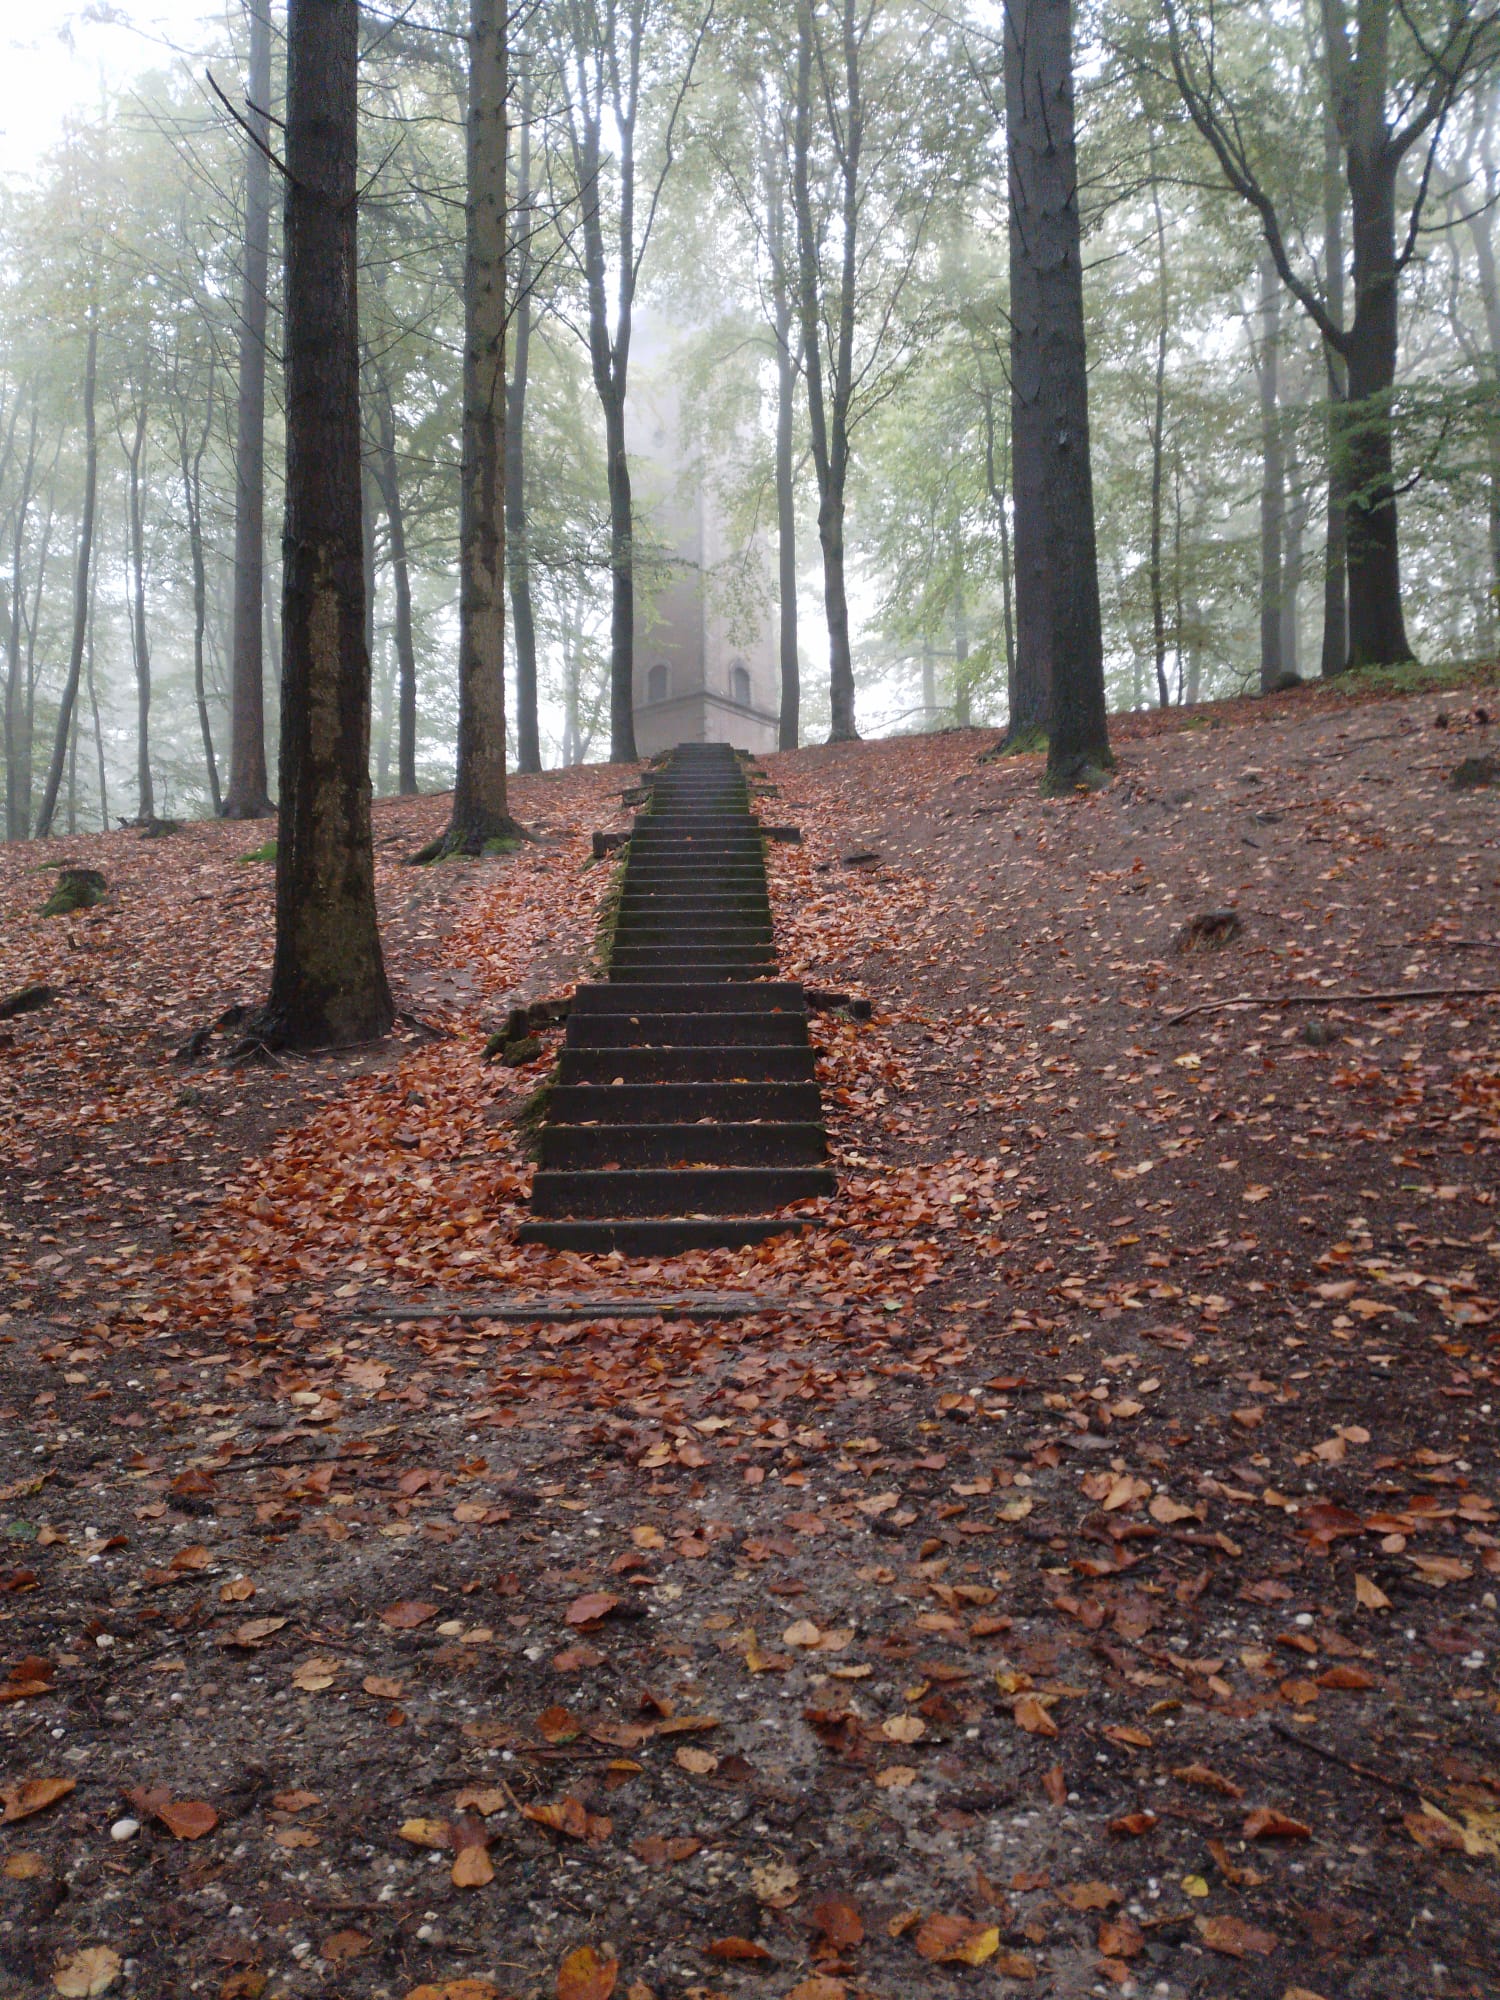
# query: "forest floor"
1074, 1573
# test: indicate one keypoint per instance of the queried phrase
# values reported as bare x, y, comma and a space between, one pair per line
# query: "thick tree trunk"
1481, 230
517, 549
1272, 474
1031, 675
80, 582
248, 796
1377, 626
1049, 370
1297, 509
328, 984
389, 478
480, 809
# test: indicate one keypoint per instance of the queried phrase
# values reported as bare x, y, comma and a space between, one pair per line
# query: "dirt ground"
1068, 1567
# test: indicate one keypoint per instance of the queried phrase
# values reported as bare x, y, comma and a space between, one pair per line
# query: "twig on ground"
1395, 998
1316, 1749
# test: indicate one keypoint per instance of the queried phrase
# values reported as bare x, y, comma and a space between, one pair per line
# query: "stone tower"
705, 660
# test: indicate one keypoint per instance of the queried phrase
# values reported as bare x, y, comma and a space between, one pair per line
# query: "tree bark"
783, 324
480, 809
1272, 474
518, 553
139, 641
994, 486
1481, 231
80, 580
17, 736
1158, 447
192, 498
963, 704
1335, 646
248, 796
328, 984
1049, 371
389, 479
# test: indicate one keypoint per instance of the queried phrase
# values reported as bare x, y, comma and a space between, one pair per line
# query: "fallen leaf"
1131, 1825
903, 1728
473, 1867
255, 1631
82, 1974
1121, 1937
776, 1884
1265, 1823
1031, 1715
1235, 1938
819, 1987
739, 1950
457, 1989
23, 1867
570, 1816
896, 1777
583, 1975
558, 1725
947, 1940
1369, 1596
802, 1633
838, 1921
407, 1615
383, 1686
1089, 1895
343, 1945
590, 1608
1208, 1781
699, 1762
313, 1675
33, 1795
434, 1833
656, 1850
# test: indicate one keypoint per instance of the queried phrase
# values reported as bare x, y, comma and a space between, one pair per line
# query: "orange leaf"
1129, 1826
839, 1921
583, 1975
1211, 1781
1031, 1716
473, 1868
32, 1795
1235, 1938
1265, 1823
593, 1605
1089, 1895
407, 1615
744, 1950
956, 1940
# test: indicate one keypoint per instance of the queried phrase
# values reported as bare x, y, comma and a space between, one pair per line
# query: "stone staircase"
685, 1110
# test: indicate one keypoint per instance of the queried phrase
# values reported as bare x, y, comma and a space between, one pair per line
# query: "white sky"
62, 56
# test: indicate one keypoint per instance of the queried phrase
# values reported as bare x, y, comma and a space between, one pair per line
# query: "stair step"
675, 1031
683, 1103
612, 1146
637, 1191
703, 1064
712, 950
686, 996
658, 1236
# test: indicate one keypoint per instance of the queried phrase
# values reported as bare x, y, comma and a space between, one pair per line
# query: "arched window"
739, 683
656, 683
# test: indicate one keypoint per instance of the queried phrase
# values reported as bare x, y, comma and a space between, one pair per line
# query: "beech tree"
328, 984
248, 796
1057, 581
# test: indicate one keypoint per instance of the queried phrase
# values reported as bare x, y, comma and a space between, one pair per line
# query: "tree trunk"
192, 495
248, 796
1481, 230
518, 554
328, 984
389, 480
1335, 649
80, 581
996, 490
929, 684
783, 321
98, 746
17, 736
1293, 560
1272, 474
1049, 371
828, 401
963, 705
1158, 448
139, 643
480, 810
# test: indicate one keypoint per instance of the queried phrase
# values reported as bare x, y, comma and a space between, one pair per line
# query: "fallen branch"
26, 1000
1316, 1749
1395, 998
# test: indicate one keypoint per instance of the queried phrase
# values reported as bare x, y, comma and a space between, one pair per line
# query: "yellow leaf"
426, 1832
83, 1974
1194, 1886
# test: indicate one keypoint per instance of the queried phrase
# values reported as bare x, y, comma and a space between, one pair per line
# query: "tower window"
739, 683
656, 683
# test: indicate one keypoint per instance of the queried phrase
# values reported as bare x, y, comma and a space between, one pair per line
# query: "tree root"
1396, 997
474, 841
